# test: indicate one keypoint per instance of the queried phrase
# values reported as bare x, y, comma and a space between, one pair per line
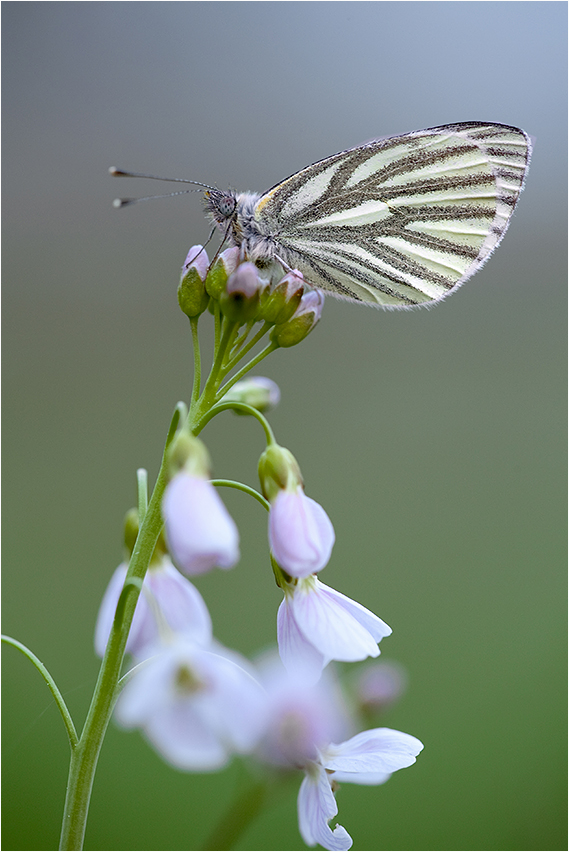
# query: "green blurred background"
435, 439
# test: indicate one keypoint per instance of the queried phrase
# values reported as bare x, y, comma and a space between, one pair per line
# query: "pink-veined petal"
299, 656
316, 806
372, 623
326, 622
301, 534
368, 779
200, 531
377, 750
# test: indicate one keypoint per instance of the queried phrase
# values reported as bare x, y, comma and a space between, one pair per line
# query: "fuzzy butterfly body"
395, 223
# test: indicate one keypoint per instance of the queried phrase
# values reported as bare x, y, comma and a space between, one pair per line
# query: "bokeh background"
435, 439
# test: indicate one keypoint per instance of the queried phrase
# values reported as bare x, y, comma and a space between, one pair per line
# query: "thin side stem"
241, 354
240, 486
197, 361
59, 700
270, 347
238, 406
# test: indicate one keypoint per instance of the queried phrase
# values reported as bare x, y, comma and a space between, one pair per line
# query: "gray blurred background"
435, 439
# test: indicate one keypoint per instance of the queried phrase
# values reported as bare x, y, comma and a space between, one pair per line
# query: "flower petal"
316, 806
299, 656
334, 628
377, 750
200, 531
301, 534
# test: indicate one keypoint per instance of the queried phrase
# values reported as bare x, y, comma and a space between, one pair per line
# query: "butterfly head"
221, 206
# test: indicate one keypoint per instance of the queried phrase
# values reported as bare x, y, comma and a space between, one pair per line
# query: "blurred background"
435, 439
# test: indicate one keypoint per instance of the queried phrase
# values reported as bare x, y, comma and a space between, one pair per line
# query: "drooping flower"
165, 594
196, 707
304, 716
301, 534
306, 720
316, 624
368, 758
201, 533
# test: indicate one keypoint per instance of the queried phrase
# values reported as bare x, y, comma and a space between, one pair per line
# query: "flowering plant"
197, 702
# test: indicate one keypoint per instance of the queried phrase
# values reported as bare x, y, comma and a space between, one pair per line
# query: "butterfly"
397, 222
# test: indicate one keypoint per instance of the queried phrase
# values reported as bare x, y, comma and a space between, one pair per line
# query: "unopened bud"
240, 301
257, 391
220, 271
131, 527
188, 453
302, 322
192, 296
283, 299
278, 470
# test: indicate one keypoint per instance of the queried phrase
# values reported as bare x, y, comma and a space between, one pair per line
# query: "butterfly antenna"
123, 202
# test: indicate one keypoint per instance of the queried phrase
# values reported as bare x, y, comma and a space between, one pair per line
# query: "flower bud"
192, 296
188, 453
257, 391
131, 527
302, 322
240, 300
278, 470
283, 299
219, 272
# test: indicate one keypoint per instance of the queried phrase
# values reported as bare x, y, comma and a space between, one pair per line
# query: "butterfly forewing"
400, 221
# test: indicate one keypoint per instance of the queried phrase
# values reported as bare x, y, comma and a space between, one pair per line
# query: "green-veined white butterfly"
397, 222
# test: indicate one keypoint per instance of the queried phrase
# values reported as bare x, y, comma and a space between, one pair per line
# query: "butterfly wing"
400, 221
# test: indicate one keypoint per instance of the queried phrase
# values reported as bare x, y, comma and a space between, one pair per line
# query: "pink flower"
301, 534
368, 758
200, 532
316, 624
165, 590
196, 707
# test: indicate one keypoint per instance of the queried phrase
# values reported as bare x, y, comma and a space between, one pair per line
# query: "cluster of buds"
246, 294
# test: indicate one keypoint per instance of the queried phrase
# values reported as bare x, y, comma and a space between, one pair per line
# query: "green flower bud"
192, 296
240, 300
257, 391
131, 527
219, 272
278, 470
188, 453
283, 300
302, 322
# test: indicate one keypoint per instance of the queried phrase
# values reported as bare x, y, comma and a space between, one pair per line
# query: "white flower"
368, 758
304, 716
197, 708
301, 534
200, 531
177, 600
316, 624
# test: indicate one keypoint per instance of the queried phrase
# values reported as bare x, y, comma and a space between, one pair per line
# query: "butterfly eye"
220, 204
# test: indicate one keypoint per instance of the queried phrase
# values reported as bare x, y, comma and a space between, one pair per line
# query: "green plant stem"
244, 810
240, 486
241, 353
198, 425
270, 347
85, 755
59, 700
197, 361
